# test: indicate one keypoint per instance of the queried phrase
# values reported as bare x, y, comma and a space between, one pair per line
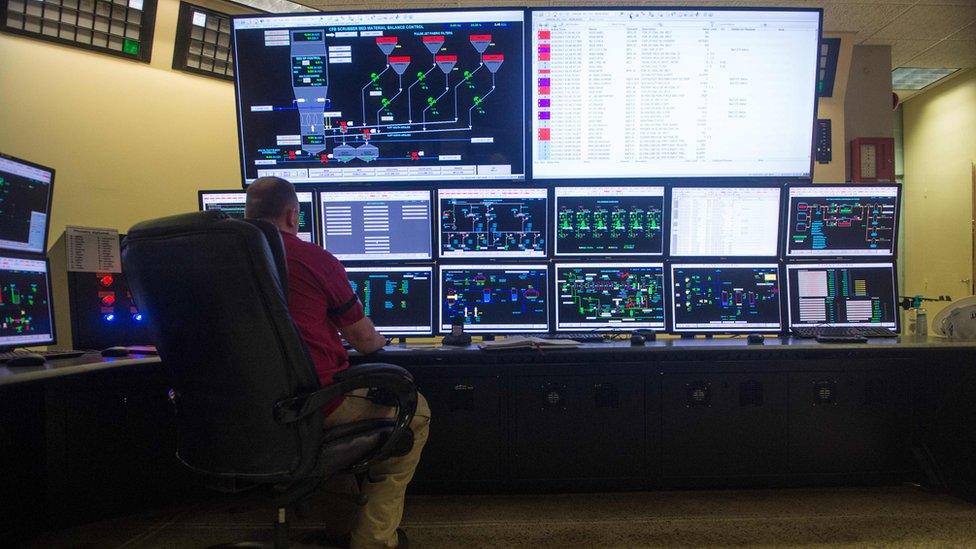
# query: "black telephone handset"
457, 337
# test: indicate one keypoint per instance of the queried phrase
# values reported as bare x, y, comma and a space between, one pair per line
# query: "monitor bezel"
787, 211
599, 184
50, 302
429, 269
543, 266
885, 262
493, 256
50, 204
734, 180
745, 264
669, 253
608, 327
320, 222
526, 177
314, 193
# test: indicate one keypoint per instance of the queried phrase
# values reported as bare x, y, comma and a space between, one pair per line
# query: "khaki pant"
378, 520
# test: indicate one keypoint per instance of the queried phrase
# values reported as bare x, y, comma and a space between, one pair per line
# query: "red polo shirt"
321, 301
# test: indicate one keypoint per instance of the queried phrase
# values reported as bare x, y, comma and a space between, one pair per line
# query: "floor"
904, 516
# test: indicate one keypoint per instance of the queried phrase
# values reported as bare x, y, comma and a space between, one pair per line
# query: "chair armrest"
394, 380
388, 377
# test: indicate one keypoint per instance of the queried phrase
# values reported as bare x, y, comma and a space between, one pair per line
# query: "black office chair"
248, 402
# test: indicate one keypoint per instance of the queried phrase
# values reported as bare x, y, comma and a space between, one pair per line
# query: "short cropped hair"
269, 198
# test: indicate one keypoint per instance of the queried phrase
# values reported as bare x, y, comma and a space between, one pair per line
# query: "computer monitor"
376, 225
25, 204
232, 204
842, 220
726, 297
25, 303
609, 221
609, 296
724, 221
842, 294
492, 222
380, 97
399, 300
673, 92
495, 298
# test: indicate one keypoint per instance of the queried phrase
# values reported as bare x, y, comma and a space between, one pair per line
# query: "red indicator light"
108, 300
106, 280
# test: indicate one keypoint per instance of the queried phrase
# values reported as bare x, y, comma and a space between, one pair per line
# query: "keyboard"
49, 355
582, 337
842, 331
841, 339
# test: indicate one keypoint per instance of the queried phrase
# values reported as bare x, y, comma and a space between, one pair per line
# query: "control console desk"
702, 412
83, 439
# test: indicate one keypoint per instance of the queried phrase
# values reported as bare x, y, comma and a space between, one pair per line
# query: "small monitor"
724, 221
399, 300
609, 296
840, 221
25, 303
232, 204
377, 225
726, 297
492, 222
25, 205
495, 298
609, 221
843, 294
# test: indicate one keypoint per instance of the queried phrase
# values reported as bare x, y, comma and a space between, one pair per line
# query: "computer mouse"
648, 335
636, 340
115, 351
756, 339
27, 359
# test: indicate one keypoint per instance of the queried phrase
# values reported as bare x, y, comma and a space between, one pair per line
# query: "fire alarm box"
872, 159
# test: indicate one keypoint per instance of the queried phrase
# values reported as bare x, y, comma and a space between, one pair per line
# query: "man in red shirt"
323, 306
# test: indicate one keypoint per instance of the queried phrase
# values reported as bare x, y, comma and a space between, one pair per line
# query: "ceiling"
921, 33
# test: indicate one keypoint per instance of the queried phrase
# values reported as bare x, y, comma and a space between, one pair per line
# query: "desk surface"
721, 343
91, 362
429, 353
669, 349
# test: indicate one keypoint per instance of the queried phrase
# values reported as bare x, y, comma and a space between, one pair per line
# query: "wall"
832, 108
940, 148
867, 104
128, 140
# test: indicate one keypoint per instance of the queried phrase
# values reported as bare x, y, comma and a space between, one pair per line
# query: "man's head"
273, 199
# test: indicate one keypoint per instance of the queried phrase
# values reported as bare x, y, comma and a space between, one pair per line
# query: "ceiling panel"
862, 18
942, 2
948, 53
901, 50
929, 22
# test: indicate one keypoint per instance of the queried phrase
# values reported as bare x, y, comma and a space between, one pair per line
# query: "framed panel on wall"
203, 42
118, 27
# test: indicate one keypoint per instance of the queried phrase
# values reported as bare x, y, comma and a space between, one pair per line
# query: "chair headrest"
177, 224
181, 224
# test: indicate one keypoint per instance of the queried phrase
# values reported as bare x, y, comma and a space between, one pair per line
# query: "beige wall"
129, 140
940, 147
832, 108
867, 104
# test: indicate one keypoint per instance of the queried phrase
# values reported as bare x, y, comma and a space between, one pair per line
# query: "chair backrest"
214, 297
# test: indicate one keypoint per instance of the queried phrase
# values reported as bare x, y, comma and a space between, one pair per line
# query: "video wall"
684, 258
535, 170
